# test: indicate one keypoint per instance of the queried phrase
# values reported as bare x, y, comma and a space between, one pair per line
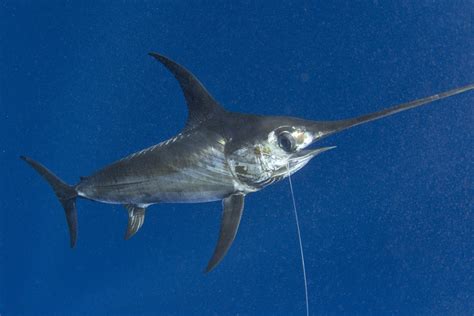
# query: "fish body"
190, 167
219, 155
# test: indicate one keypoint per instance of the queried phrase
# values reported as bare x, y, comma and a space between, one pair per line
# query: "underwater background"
387, 218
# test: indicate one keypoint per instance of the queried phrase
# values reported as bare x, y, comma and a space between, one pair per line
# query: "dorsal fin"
201, 105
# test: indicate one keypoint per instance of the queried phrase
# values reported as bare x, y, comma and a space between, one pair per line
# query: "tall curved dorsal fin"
201, 105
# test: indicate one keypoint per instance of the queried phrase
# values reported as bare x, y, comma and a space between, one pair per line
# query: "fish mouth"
299, 159
310, 153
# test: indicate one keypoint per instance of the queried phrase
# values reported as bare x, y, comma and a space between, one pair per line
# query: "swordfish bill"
218, 156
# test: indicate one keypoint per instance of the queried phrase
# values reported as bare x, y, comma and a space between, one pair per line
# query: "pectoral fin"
231, 214
136, 217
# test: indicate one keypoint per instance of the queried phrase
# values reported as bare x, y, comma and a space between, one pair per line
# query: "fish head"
267, 149
272, 148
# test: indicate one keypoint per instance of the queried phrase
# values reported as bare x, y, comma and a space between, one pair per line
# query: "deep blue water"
387, 218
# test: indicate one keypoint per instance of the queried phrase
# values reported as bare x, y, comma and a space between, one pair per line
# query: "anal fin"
136, 217
233, 207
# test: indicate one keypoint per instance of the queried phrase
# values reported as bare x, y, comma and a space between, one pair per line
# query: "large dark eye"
286, 141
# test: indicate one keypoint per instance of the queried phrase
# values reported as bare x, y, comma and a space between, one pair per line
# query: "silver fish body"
219, 155
188, 168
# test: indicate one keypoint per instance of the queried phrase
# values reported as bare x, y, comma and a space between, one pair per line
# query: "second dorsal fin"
201, 104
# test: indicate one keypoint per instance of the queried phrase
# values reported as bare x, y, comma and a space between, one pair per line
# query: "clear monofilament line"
300, 242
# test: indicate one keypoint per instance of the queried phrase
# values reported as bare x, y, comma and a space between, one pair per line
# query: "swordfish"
218, 156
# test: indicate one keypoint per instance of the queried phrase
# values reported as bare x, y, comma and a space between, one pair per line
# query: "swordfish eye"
287, 142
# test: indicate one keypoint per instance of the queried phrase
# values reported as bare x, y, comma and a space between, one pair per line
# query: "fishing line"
300, 241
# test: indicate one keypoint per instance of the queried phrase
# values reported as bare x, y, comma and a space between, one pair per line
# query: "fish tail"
65, 193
